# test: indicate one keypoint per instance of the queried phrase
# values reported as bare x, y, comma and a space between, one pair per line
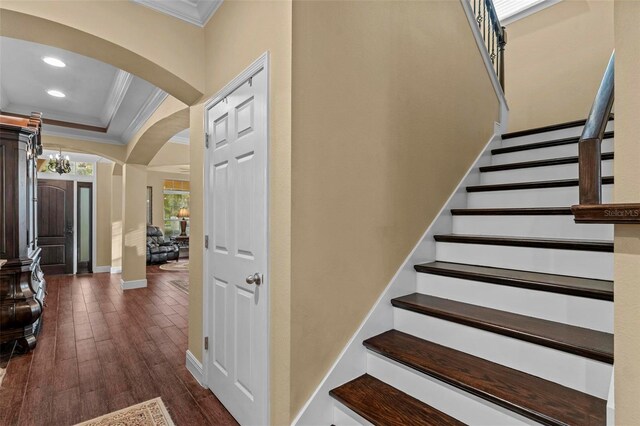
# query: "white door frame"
262, 63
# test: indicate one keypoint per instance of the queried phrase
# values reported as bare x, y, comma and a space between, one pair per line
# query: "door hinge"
206, 140
206, 343
206, 241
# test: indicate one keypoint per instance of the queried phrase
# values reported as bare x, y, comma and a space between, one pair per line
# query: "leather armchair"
158, 249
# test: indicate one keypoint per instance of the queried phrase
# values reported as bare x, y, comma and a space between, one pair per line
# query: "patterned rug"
175, 266
181, 285
149, 413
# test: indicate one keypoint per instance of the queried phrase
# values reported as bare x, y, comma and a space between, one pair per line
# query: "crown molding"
118, 91
46, 130
148, 108
196, 12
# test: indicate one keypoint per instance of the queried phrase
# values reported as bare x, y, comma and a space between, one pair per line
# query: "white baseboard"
116, 269
195, 368
101, 269
130, 285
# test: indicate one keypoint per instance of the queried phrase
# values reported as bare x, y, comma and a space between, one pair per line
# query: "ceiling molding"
121, 84
148, 108
60, 123
196, 12
46, 130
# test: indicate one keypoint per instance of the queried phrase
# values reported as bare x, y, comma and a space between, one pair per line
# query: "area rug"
181, 285
175, 266
149, 413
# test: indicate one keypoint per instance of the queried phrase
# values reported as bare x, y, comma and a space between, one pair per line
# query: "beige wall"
103, 213
554, 61
134, 222
171, 154
116, 217
238, 33
156, 181
627, 237
383, 131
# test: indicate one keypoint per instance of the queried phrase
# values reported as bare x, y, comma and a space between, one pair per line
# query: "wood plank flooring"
101, 350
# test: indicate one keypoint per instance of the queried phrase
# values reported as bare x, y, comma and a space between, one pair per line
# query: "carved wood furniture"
22, 284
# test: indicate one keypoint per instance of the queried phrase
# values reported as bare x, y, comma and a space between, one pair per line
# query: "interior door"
238, 283
55, 226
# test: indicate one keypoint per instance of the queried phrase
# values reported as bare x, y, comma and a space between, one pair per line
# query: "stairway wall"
627, 237
554, 61
391, 106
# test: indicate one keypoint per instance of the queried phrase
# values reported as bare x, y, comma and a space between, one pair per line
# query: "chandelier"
59, 164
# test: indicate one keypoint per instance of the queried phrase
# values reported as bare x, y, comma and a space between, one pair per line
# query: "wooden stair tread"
588, 343
539, 163
528, 395
544, 144
549, 128
514, 211
549, 243
574, 286
382, 404
561, 183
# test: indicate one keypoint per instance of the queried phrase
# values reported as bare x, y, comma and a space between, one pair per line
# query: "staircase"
513, 321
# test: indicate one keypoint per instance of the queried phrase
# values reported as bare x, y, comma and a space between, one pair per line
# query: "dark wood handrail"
591, 209
591, 140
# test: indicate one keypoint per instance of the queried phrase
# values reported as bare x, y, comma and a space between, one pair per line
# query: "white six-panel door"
237, 251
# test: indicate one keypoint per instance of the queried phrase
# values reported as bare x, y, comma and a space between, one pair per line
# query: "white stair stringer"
583, 312
573, 371
351, 363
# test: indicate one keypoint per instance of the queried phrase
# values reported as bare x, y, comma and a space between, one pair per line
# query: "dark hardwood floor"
101, 350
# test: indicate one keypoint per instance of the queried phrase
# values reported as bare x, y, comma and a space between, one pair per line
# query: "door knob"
254, 279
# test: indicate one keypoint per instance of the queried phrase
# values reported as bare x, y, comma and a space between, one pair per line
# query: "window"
176, 197
149, 204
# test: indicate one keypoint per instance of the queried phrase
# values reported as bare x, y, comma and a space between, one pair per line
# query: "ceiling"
511, 10
102, 103
196, 12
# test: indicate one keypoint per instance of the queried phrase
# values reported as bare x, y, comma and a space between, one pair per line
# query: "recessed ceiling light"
54, 62
56, 93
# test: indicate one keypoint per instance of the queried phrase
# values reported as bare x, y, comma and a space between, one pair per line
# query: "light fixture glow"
54, 62
56, 93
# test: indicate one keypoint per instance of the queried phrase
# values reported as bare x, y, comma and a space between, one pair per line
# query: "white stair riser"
564, 171
579, 311
539, 197
552, 226
576, 372
455, 402
574, 263
559, 151
548, 136
343, 416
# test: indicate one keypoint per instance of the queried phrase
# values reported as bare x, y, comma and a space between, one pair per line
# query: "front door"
55, 226
237, 255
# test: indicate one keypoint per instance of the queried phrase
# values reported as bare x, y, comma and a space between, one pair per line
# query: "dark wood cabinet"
22, 284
